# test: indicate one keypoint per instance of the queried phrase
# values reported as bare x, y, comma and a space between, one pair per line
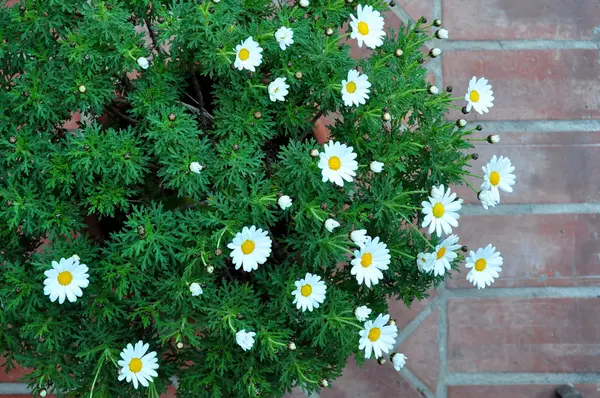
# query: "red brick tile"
418, 8
560, 167
296, 393
72, 124
529, 391
422, 351
538, 250
530, 84
13, 376
403, 314
524, 335
372, 381
171, 393
517, 19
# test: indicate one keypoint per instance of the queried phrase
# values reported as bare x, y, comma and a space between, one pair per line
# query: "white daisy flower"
248, 55
372, 258
377, 336
425, 262
66, 279
337, 163
445, 254
250, 248
399, 360
359, 237
479, 95
376, 167
137, 365
284, 202
441, 211
195, 289
486, 264
284, 37
355, 90
278, 89
367, 27
195, 167
498, 174
488, 199
304, 3
362, 313
245, 339
143, 62
310, 292
331, 224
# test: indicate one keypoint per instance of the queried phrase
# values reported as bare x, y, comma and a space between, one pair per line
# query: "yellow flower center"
306, 290
374, 334
334, 163
474, 96
480, 264
276, 89
363, 28
65, 278
135, 365
351, 87
494, 178
244, 54
441, 253
366, 260
438, 210
248, 247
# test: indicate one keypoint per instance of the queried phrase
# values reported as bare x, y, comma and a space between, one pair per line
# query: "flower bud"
437, 22
398, 52
314, 153
461, 122
493, 138
210, 269
292, 346
143, 62
298, 75
433, 90
435, 52
82, 89
179, 345
195, 167
441, 34
386, 117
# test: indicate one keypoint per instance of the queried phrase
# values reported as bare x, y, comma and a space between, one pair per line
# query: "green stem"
417, 229
342, 320
96, 376
302, 375
469, 185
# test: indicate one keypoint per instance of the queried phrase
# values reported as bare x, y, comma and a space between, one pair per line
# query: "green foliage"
118, 190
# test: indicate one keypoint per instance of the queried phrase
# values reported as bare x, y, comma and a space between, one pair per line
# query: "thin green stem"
96, 375
417, 230
469, 185
342, 320
302, 375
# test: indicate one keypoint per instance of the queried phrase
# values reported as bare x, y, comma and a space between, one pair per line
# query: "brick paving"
539, 325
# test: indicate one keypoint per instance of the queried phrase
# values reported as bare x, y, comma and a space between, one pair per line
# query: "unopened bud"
437, 22
314, 153
82, 89
464, 248
461, 122
329, 32
381, 361
172, 117
210, 269
257, 115
493, 139
292, 346
433, 90
474, 156
324, 383
298, 75
464, 110
386, 116
179, 345
435, 52
398, 52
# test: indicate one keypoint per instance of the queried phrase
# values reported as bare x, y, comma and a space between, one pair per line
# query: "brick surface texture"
540, 321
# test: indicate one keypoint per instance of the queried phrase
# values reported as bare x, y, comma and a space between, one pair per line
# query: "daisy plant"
196, 224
